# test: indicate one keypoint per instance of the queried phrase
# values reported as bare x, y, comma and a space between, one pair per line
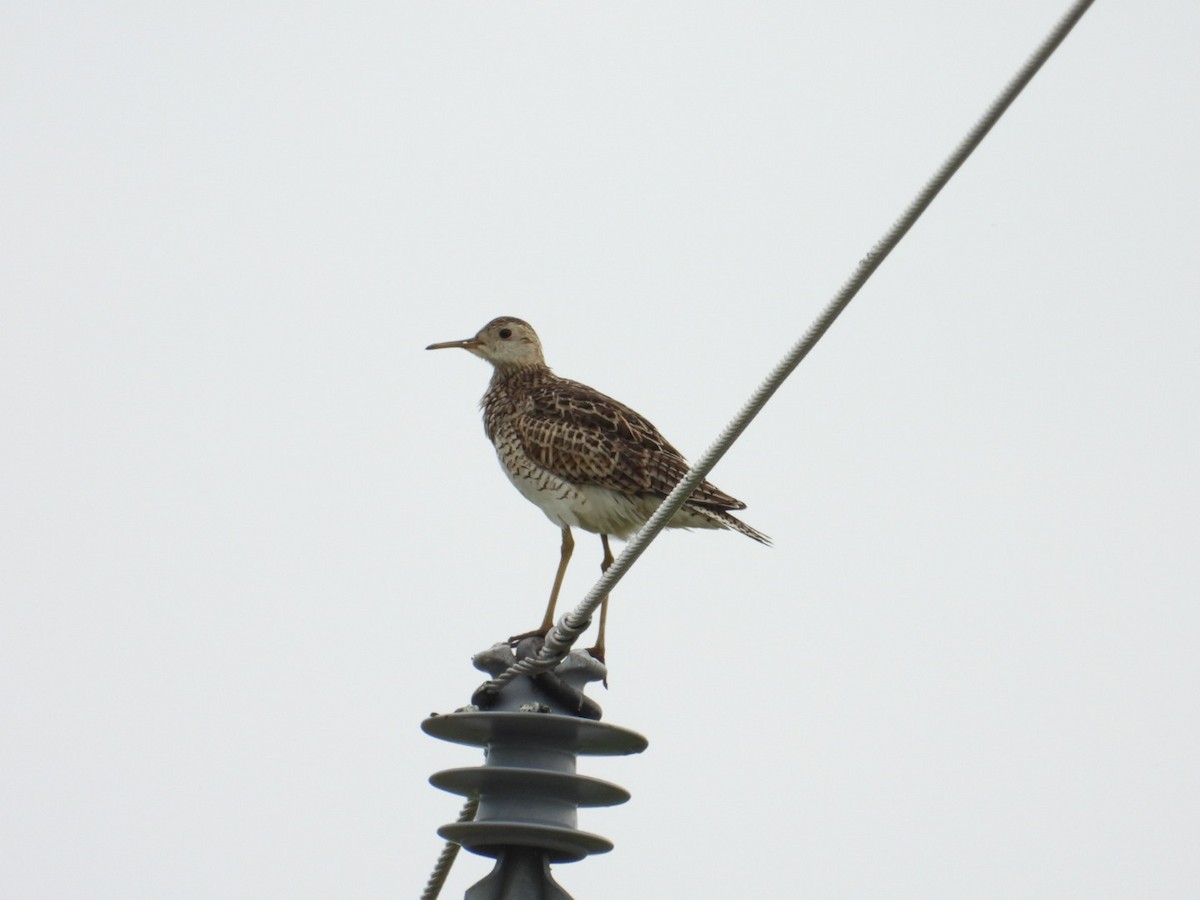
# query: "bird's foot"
537, 632
597, 653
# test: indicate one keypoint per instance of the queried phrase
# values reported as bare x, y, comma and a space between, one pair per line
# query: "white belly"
589, 507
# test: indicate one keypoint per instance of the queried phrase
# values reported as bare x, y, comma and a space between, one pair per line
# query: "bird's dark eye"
505, 333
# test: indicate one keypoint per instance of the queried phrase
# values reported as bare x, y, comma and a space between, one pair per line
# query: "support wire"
441, 869
574, 623
568, 629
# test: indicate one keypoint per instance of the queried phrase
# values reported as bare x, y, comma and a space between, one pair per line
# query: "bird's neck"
509, 376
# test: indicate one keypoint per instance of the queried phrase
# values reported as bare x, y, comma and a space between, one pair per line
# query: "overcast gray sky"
252, 531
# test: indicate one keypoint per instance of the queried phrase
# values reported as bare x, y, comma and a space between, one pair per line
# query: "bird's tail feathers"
721, 519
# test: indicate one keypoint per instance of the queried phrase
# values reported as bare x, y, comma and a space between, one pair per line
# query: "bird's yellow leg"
597, 651
568, 545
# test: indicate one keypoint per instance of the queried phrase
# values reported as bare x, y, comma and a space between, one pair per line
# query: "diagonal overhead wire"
573, 624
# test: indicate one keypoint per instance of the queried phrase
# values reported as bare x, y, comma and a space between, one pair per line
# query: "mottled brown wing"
582, 435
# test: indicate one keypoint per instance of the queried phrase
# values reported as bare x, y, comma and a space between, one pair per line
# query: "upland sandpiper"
581, 457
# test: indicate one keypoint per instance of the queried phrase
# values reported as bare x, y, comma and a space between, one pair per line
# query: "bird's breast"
587, 506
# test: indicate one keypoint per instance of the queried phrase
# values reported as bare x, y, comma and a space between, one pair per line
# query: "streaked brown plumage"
583, 458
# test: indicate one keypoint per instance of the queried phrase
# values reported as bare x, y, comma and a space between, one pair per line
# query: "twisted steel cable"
572, 624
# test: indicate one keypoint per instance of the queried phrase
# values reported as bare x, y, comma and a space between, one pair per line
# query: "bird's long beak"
468, 344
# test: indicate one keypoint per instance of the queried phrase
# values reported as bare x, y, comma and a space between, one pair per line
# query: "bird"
584, 459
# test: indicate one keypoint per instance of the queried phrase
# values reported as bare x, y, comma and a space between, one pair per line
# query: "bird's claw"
537, 632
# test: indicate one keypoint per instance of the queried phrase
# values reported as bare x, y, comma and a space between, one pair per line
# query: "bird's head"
506, 342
